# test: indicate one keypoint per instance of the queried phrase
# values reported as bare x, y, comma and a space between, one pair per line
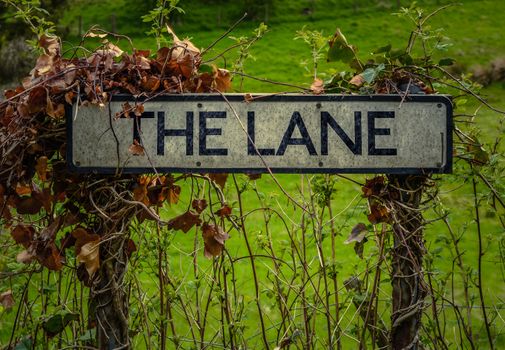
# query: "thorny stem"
253, 266
481, 253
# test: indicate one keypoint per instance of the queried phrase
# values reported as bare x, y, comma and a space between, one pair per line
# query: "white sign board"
285, 133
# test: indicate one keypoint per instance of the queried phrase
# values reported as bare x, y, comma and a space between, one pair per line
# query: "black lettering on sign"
287, 139
327, 119
251, 140
373, 131
162, 132
204, 132
137, 123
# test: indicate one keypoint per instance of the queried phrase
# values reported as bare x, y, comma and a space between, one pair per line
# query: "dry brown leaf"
222, 80
37, 100
225, 210
317, 86
199, 205
357, 80
44, 65
95, 35
173, 194
28, 205
90, 255
23, 234
49, 256
185, 222
50, 44
24, 257
139, 109
150, 83
41, 168
136, 149
358, 233
219, 179
23, 189
214, 238
7, 300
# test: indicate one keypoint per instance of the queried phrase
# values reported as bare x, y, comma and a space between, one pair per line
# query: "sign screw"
198, 163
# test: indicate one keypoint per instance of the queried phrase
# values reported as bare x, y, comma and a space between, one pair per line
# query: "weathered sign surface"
286, 133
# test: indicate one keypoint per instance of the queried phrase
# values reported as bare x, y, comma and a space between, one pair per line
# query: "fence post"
409, 288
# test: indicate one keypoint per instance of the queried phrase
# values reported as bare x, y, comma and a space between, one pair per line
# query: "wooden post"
409, 288
109, 295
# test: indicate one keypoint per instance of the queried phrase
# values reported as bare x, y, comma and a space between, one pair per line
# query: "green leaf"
383, 49
89, 335
340, 50
57, 323
369, 75
205, 68
446, 61
25, 344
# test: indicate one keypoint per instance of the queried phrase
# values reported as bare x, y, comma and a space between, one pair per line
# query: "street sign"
284, 133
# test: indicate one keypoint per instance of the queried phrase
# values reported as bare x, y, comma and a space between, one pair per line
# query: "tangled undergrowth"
50, 211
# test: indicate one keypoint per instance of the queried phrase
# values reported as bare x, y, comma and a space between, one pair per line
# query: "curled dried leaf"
23, 235
358, 233
317, 86
7, 300
185, 222
136, 149
90, 255
199, 205
214, 238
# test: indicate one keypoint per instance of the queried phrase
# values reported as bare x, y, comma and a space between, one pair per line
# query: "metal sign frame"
440, 100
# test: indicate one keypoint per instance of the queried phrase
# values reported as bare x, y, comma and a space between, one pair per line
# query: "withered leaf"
41, 168
45, 197
43, 66
225, 210
173, 194
130, 248
90, 255
23, 189
359, 248
378, 213
37, 100
253, 177
139, 109
7, 299
28, 206
50, 44
95, 35
317, 86
199, 205
222, 80
214, 238
185, 222
25, 257
219, 178
23, 235
49, 256
143, 53
357, 234
150, 83
373, 187
136, 149
357, 80
82, 237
